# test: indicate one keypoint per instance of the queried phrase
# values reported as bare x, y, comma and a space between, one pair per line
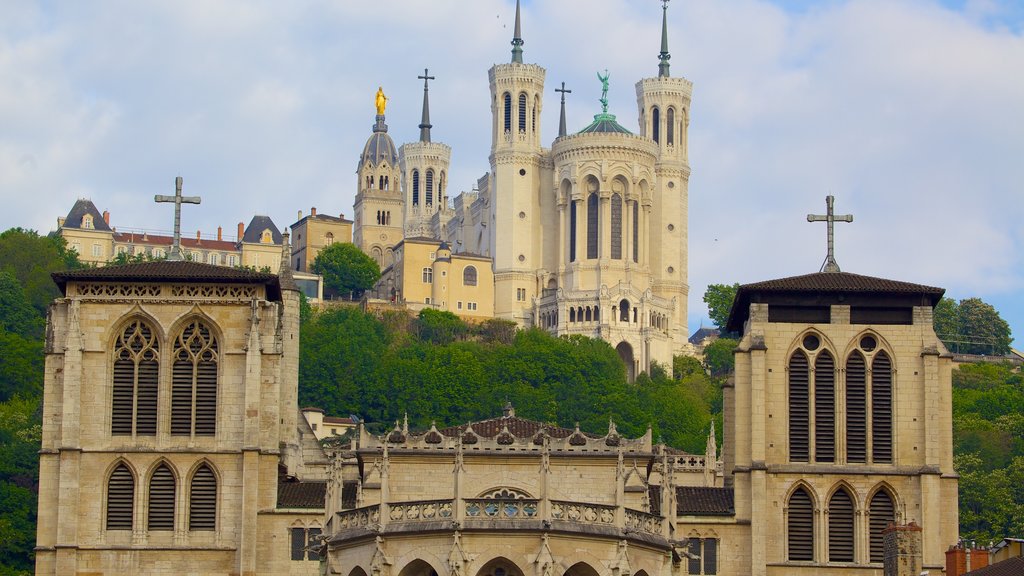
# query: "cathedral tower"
518, 169
424, 166
378, 205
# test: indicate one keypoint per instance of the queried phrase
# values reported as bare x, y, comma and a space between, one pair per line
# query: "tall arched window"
415, 187
430, 187
572, 230
469, 276
120, 498
856, 409
824, 408
881, 512
636, 231
881, 408
670, 123
800, 526
440, 188
508, 112
799, 412
616, 227
624, 310
533, 117
194, 381
840, 527
135, 381
656, 124
329, 238
202, 509
522, 112
161, 499
592, 230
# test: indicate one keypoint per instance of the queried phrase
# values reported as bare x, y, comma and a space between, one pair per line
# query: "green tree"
440, 327
17, 315
346, 269
31, 258
685, 366
971, 326
718, 356
719, 298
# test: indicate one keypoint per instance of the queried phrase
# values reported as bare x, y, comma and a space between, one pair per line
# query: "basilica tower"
518, 169
424, 166
378, 205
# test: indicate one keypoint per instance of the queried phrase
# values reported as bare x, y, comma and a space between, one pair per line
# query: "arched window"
856, 409
522, 112
616, 227
589, 315
533, 117
120, 498
656, 124
800, 526
469, 276
592, 231
135, 382
572, 315
572, 230
440, 188
824, 408
508, 112
415, 187
881, 512
624, 310
202, 508
161, 499
636, 231
377, 255
194, 381
430, 188
799, 413
840, 527
670, 122
329, 238
881, 408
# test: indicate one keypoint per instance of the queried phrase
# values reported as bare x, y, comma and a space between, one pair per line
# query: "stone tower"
378, 205
424, 166
518, 170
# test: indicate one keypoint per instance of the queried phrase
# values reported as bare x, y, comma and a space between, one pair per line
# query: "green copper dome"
604, 123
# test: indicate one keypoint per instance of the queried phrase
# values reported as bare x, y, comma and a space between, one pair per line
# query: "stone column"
902, 550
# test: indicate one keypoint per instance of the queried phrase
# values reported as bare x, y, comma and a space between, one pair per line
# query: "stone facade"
313, 233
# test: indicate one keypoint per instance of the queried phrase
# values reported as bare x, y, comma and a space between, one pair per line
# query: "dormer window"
266, 237
87, 222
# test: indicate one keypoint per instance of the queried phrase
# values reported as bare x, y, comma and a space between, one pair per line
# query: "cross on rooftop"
561, 119
830, 264
426, 76
178, 200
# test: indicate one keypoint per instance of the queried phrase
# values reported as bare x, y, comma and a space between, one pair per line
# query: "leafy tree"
719, 298
31, 258
346, 269
20, 433
718, 356
17, 315
685, 366
21, 370
971, 326
440, 327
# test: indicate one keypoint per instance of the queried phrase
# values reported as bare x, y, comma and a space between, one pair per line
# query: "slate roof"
1010, 567
701, 334
256, 227
301, 494
186, 242
80, 209
519, 427
168, 271
604, 123
654, 498
702, 501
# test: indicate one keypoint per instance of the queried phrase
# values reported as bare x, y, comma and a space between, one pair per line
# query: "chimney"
342, 215
60, 221
902, 550
241, 231
961, 559
312, 211
199, 237
300, 216
220, 233
106, 217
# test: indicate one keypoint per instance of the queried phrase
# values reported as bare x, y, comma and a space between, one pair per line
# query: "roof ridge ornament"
830, 264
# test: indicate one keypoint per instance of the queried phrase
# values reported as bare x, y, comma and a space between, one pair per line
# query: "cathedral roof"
704, 501
604, 123
379, 146
301, 494
79, 210
256, 227
168, 271
519, 427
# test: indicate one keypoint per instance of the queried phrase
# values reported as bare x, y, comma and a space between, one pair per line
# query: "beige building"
172, 442
426, 274
315, 232
324, 426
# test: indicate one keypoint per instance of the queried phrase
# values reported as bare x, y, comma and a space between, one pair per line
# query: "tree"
718, 356
971, 327
346, 269
719, 298
17, 315
31, 258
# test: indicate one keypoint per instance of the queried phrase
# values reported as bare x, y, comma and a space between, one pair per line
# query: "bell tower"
424, 166
378, 205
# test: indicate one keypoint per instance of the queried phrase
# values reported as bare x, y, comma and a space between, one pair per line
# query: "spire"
561, 119
664, 56
425, 125
517, 40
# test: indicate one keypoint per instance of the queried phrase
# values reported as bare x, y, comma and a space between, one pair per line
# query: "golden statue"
381, 101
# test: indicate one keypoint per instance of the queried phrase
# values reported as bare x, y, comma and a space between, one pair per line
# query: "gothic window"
881, 512
799, 416
636, 231
428, 275
440, 187
616, 227
202, 512
430, 187
469, 276
120, 498
704, 556
194, 381
824, 408
135, 382
387, 183
522, 112
881, 408
572, 230
840, 527
670, 122
800, 526
508, 112
415, 187
856, 409
592, 231
161, 499
303, 540
656, 124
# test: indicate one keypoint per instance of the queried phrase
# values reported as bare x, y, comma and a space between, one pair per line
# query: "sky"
909, 112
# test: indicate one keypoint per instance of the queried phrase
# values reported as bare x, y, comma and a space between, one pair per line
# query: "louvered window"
522, 112
135, 382
799, 413
592, 230
693, 563
800, 526
304, 543
202, 513
656, 124
161, 499
824, 408
298, 542
120, 498
636, 231
572, 230
194, 381
313, 541
616, 227
670, 125
856, 409
430, 188
415, 187
710, 556
840, 527
882, 512
508, 112
881, 408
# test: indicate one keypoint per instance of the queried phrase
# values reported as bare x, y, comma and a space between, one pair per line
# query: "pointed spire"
517, 40
425, 125
561, 120
664, 56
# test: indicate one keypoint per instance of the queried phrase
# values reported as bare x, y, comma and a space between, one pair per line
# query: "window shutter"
136, 378
203, 500
881, 408
430, 188
801, 526
313, 539
882, 513
123, 398
856, 412
693, 564
194, 382
298, 543
840, 527
710, 556
120, 499
181, 394
522, 112
206, 394
799, 414
508, 113
161, 499
824, 408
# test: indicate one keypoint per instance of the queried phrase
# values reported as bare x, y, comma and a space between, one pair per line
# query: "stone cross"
561, 120
178, 200
426, 76
830, 264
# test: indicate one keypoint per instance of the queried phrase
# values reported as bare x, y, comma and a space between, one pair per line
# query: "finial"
517, 40
425, 125
664, 56
604, 90
381, 101
561, 119
178, 200
830, 264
